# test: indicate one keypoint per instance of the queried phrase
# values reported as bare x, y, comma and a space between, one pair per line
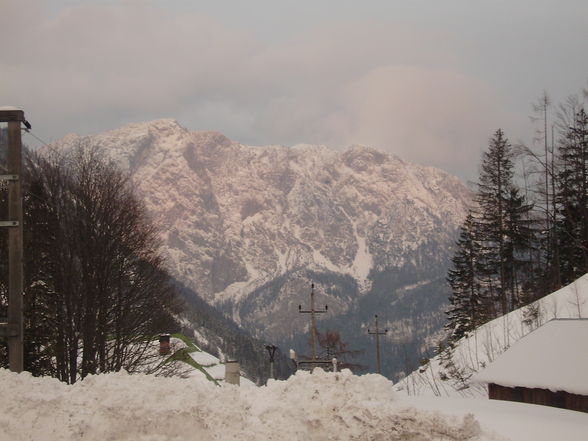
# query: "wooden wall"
544, 397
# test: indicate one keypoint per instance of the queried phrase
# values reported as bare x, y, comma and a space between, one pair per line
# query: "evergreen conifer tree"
492, 263
492, 198
572, 198
465, 310
520, 242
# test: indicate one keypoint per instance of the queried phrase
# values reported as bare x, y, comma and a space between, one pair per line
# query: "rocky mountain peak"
244, 226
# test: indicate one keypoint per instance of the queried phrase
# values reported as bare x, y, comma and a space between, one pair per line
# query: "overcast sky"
427, 80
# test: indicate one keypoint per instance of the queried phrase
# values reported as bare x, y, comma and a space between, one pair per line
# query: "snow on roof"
485, 344
554, 357
204, 358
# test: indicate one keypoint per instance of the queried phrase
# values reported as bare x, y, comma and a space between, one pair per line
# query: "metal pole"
377, 333
14, 328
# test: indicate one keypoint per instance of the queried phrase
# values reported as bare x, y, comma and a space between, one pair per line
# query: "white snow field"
474, 353
306, 407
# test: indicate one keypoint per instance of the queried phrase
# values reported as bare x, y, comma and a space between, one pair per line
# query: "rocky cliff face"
249, 228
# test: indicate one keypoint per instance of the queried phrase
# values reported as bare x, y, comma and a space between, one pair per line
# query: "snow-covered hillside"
249, 228
311, 407
448, 376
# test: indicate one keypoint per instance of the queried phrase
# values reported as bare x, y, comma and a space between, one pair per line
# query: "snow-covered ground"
450, 377
514, 421
310, 407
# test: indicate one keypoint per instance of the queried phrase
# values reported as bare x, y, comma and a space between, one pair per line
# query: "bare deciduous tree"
95, 289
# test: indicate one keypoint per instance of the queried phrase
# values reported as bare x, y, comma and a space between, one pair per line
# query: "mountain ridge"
236, 218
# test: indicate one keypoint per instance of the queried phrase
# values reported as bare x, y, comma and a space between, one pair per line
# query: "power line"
36, 137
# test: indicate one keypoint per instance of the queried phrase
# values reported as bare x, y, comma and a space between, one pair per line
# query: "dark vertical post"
14, 329
312, 311
312, 322
271, 349
377, 333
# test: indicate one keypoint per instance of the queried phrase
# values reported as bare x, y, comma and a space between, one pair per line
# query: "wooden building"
549, 367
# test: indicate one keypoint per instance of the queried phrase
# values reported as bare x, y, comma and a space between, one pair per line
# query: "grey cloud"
99, 66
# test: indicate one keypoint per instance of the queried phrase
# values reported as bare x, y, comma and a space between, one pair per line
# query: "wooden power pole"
11, 327
312, 311
377, 333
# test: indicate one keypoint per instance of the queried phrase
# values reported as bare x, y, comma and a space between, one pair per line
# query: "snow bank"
319, 406
517, 421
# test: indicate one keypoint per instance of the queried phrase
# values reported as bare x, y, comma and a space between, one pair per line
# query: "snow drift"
319, 406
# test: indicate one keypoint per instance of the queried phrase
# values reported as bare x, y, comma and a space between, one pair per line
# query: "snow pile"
450, 377
319, 406
323, 406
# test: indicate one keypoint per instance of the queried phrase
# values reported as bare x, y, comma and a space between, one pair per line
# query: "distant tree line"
526, 233
95, 291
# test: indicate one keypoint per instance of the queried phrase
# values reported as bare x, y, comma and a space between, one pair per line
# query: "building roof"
554, 357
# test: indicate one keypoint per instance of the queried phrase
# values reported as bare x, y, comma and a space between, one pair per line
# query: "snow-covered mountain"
249, 228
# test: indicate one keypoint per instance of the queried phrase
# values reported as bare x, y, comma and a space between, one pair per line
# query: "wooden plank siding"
545, 397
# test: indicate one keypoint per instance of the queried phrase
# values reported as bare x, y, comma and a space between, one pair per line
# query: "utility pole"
377, 333
11, 327
312, 311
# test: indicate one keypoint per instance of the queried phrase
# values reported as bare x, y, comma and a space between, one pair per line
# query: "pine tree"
492, 198
572, 198
465, 310
492, 262
520, 241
